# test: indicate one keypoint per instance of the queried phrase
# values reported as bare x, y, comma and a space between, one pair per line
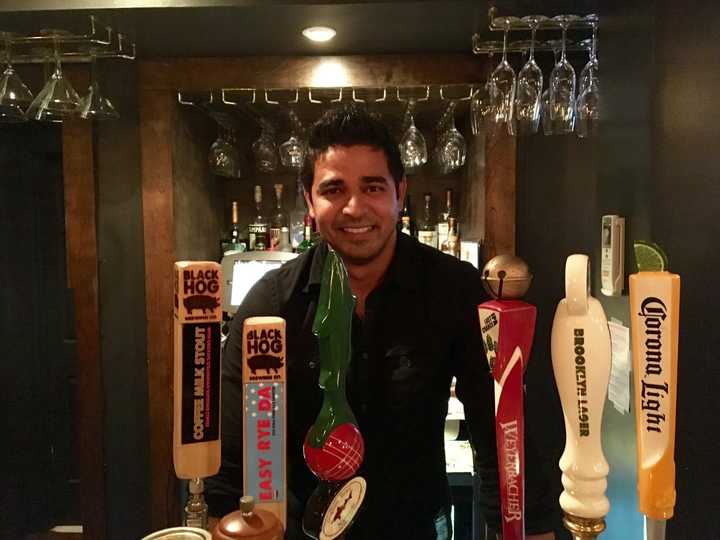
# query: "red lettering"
265, 392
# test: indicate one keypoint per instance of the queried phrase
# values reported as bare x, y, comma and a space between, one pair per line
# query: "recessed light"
319, 33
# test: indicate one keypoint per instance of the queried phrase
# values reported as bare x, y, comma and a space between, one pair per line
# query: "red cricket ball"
340, 456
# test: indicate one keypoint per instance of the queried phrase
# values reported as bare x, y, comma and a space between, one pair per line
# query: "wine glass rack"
98, 41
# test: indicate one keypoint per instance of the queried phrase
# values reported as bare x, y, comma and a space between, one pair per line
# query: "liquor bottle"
279, 230
233, 239
196, 509
448, 211
406, 222
451, 245
297, 218
308, 237
258, 228
426, 229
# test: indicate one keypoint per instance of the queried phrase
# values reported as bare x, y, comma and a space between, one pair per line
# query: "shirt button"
311, 364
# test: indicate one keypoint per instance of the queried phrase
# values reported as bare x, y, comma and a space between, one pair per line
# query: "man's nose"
355, 206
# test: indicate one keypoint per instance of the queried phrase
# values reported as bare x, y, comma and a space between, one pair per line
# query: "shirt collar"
403, 269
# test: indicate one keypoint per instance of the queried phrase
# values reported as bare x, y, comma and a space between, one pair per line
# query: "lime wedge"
649, 257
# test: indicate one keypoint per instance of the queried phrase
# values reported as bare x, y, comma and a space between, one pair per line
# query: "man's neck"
364, 278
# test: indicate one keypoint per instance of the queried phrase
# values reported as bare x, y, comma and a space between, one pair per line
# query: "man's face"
354, 201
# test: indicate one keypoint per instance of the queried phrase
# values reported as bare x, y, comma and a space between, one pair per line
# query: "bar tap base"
583, 528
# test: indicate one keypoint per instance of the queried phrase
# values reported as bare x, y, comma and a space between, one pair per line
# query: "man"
415, 327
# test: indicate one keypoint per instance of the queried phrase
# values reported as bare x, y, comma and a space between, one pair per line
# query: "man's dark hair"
349, 125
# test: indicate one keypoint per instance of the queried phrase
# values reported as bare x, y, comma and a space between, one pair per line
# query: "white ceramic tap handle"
581, 361
577, 284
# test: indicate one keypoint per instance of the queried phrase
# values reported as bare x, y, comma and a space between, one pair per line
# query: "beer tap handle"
581, 362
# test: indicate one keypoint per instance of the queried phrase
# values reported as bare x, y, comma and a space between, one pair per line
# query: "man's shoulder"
291, 274
437, 263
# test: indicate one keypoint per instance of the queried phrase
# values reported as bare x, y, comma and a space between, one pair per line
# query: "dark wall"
38, 363
122, 307
686, 204
655, 163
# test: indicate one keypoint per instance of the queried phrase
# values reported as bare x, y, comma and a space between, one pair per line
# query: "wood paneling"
202, 74
500, 189
82, 275
157, 121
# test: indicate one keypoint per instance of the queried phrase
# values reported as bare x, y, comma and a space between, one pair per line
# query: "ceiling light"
319, 33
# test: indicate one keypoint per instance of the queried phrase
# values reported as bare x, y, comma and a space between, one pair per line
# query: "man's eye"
331, 191
375, 189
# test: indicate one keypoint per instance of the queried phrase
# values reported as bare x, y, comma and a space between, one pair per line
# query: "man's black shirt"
420, 329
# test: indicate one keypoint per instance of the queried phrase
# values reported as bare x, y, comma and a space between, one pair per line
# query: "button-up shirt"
420, 329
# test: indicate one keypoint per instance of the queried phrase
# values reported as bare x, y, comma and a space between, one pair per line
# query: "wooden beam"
204, 74
500, 191
82, 277
157, 110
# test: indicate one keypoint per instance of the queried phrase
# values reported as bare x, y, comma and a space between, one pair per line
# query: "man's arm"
223, 491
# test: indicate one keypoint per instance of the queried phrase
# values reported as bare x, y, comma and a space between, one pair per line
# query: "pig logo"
202, 302
265, 361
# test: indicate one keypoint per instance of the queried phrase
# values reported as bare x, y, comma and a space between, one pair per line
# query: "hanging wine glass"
452, 148
264, 150
562, 84
502, 82
481, 108
14, 95
58, 99
588, 101
94, 105
528, 92
292, 151
547, 122
413, 149
223, 157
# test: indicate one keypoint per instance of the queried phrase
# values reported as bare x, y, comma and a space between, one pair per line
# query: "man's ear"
402, 189
308, 201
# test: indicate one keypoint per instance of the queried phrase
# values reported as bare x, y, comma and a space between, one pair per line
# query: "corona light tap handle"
655, 321
581, 362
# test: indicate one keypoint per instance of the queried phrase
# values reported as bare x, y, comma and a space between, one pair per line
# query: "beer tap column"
507, 325
580, 346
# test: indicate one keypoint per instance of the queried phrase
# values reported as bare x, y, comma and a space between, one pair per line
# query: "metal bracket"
413, 99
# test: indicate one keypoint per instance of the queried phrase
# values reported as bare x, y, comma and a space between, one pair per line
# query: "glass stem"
505, 36
56, 55
93, 71
532, 44
593, 50
564, 34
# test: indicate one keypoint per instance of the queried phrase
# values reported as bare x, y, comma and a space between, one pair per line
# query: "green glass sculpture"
334, 447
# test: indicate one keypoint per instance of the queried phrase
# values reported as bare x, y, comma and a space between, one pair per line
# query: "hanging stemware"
14, 95
413, 149
502, 82
58, 99
452, 148
292, 151
264, 150
562, 84
94, 105
588, 101
223, 157
528, 92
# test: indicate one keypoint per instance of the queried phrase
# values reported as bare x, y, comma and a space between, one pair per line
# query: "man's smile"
357, 229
